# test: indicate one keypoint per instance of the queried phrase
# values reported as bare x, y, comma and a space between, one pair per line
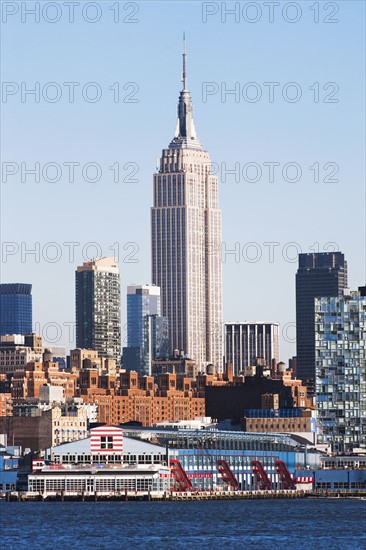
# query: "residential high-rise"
246, 342
318, 275
15, 308
147, 330
340, 332
186, 240
98, 308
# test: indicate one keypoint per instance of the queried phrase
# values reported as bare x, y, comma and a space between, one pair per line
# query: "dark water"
306, 524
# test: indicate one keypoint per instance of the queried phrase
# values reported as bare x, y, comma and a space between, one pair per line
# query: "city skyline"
234, 132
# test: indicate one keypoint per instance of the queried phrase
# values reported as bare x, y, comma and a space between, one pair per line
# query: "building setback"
186, 241
15, 308
340, 329
319, 274
246, 342
98, 308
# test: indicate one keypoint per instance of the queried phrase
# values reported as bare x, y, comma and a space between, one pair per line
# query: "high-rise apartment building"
15, 308
186, 242
246, 342
318, 275
340, 331
98, 308
147, 330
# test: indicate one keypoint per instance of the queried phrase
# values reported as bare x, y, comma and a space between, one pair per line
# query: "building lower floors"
106, 479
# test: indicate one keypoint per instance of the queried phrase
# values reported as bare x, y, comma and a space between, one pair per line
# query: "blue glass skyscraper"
147, 331
141, 300
15, 308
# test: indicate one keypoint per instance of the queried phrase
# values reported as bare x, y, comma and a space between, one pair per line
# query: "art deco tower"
186, 242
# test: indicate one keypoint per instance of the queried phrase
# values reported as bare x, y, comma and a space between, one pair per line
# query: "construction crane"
285, 477
181, 480
227, 474
261, 476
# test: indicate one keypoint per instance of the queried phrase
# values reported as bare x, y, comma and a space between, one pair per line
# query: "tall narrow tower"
322, 274
186, 241
98, 308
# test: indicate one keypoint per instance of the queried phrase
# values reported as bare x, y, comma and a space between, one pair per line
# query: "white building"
186, 240
247, 341
103, 463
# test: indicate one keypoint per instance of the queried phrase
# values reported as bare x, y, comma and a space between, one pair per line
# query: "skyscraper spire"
185, 133
185, 229
184, 74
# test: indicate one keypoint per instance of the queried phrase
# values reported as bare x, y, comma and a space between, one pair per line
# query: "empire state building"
186, 239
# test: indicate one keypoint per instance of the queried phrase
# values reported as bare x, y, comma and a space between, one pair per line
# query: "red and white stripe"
106, 431
304, 480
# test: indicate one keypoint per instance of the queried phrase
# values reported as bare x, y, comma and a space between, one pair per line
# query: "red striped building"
106, 441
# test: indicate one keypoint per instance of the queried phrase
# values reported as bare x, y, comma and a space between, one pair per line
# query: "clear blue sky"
148, 53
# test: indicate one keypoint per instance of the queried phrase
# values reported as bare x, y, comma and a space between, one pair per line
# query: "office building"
246, 342
156, 341
186, 242
15, 308
142, 300
98, 308
147, 330
340, 331
318, 275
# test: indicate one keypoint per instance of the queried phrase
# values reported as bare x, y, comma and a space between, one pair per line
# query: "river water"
288, 524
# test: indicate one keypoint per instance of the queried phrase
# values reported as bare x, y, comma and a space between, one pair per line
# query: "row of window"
90, 485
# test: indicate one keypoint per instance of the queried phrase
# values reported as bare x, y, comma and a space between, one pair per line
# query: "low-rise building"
36, 426
6, 404
15, 353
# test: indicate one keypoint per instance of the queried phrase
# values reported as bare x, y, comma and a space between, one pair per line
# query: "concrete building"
28, 380
98, 308
340, 331
15, 353
294, 421
36, 428
230, 401
59, 356
6, 404
318, 274
186, 239
84, 358
15, 308
246, 342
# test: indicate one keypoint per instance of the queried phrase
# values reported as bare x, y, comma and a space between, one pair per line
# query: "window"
106, 442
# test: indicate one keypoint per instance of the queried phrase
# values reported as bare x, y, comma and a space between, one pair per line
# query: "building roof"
130, 446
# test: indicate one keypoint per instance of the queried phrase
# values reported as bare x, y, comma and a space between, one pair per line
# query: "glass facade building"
98, 308
147, 330
15, 308
141, 300
318, 275
340, 329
